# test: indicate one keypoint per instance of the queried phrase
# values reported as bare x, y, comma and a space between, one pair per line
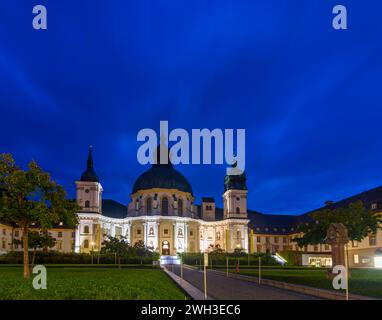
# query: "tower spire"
89, 174
90, 158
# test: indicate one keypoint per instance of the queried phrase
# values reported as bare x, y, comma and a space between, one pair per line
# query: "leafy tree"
119, 246
37, 240
358, 220
215, 249
141, 250
32, 197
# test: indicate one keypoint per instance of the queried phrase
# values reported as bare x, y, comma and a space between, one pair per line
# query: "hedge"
53, 257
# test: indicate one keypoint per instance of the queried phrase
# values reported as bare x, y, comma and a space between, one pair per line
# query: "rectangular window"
285, 240
17, 233
4, 232
276, 239
258, 239
59, 244
259, 248
372, 240
374, 206
138, 231
3, 244
59, 234
356, 259
327, 248
73, 234
315, 248
191, 233
354, 244
165, 231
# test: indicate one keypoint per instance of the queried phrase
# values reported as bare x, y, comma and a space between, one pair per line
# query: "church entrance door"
165, 248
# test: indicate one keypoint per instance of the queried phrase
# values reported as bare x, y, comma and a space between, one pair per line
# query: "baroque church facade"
162, 214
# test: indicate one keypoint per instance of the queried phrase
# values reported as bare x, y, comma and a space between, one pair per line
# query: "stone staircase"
169, 260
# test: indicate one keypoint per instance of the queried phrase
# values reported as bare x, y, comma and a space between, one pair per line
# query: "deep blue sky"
309, 97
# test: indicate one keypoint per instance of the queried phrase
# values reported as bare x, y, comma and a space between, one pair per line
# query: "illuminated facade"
163, 215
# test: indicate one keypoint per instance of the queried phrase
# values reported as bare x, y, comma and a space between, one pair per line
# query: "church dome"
162, 176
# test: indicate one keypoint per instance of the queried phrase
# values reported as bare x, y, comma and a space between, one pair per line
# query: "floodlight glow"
378, 262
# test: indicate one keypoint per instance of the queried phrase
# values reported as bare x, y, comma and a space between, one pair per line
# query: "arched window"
180, 208
87, 204
165, 206
237, 210
86, 229
149, 206
86, 244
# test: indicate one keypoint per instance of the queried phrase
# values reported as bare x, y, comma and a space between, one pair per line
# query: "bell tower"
235, 194
89, 189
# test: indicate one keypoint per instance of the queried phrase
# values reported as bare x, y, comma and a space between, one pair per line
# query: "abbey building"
162, 214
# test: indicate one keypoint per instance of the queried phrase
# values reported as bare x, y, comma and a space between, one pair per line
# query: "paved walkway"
222, 288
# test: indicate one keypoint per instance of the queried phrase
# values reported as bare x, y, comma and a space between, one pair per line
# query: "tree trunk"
25, 249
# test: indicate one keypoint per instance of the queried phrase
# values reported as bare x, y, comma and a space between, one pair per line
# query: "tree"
32, 197
141, 250
215, 249
37, 240
358, 220
119, 246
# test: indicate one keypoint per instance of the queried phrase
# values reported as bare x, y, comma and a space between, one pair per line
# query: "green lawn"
367, 282
99, 283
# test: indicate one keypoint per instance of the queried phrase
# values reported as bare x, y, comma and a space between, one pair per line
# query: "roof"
367, 197
113, 209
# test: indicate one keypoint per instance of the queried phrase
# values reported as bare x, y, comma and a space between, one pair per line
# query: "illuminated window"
356, 259
86, 244
354, 244
374, 206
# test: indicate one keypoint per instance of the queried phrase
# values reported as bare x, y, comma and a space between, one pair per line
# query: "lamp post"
91, 252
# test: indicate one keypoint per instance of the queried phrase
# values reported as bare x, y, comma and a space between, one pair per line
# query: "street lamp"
91, 253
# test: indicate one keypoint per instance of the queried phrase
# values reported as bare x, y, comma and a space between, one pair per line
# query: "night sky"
309, 97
